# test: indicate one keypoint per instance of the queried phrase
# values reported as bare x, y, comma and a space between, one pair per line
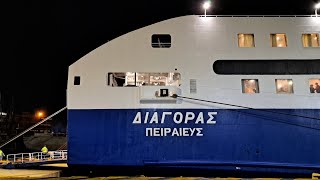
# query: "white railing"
37, 157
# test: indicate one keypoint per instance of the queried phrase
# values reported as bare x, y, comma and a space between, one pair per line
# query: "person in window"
317, 88
254, 90
312, 90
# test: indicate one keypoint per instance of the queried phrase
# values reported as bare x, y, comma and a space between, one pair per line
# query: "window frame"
161, 44
272, 40
315, 88
244, 35
284, 92
303, 41
77, 81
243, 83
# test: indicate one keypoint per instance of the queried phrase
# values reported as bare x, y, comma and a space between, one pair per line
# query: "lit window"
76, 80
284, 86
119, 79
310, 40
161, 41
314, 85
278, 40
246, 40
250, 86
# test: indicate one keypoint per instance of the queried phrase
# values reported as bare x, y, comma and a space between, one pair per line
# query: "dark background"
41, 38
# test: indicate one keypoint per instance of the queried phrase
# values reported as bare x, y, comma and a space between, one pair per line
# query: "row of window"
283, 86
245, 40
249, 86
279, 40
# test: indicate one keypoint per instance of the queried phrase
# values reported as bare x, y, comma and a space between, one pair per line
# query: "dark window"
76, 80
161, 41
267, 67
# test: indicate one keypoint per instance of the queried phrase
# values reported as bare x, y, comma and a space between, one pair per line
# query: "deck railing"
37, 157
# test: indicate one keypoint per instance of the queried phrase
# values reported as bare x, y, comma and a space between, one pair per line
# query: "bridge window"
284, 86
314, 85
246, 40
161, 41
250, 86
278, 40
143, 79
310, 40
76, 80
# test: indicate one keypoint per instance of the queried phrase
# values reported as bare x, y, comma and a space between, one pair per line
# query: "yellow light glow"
40, 114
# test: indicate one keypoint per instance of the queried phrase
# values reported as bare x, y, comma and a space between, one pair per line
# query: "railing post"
30, 158
22, 158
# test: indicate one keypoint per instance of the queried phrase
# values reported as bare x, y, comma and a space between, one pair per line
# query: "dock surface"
28, 173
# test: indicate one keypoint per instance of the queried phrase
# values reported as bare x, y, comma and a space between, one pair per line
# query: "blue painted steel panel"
242, 138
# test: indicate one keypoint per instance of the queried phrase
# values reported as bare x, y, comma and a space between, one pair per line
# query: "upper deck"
196, 43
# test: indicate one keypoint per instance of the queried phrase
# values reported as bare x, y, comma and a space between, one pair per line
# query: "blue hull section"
256, 140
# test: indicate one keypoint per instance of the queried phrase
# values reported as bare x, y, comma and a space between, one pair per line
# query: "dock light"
40, 114
206, 6
317, 6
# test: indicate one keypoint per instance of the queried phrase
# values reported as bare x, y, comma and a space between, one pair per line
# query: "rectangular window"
193, 86
143, 79
116, 79
284, 86
278, 40
161, 41
76, 80
310, 40
314, 85
250, 86
246, 40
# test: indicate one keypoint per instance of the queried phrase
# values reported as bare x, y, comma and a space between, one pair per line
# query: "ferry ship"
217, 93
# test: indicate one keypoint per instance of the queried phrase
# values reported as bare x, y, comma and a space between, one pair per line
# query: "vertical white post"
316, 9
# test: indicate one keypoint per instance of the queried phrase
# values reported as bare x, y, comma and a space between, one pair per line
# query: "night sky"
42, 38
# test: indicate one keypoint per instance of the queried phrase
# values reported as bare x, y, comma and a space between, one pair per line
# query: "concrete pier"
28, 173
